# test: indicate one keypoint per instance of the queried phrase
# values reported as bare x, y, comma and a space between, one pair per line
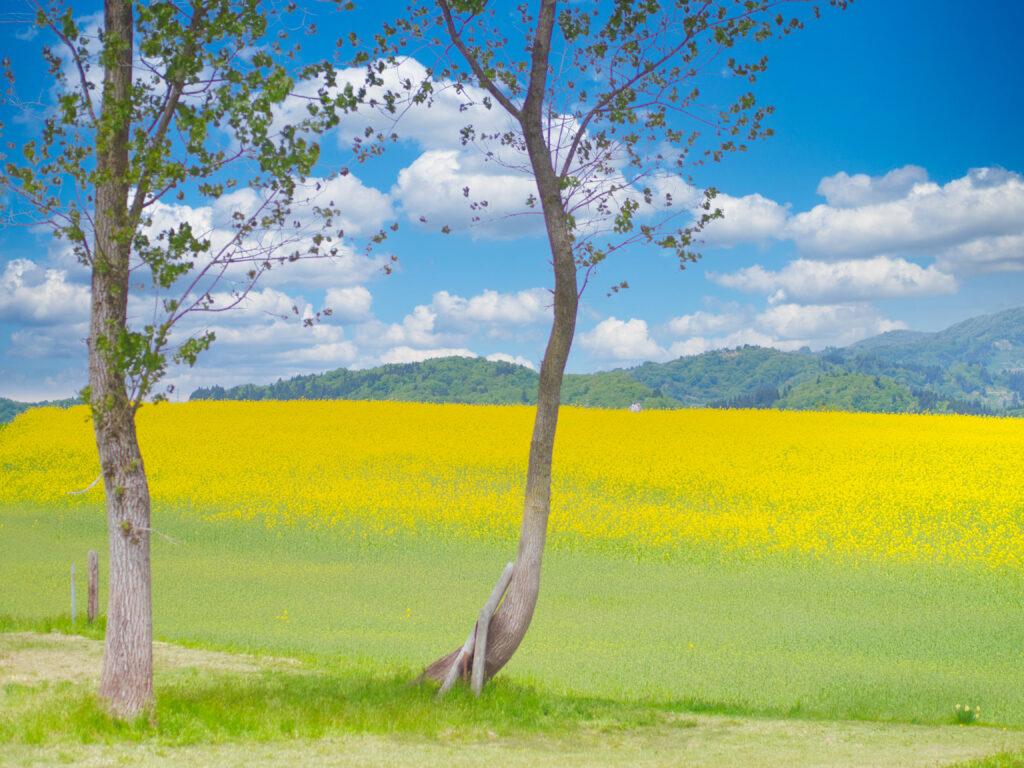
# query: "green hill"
441, 380
726, 377
976, 366
849, 392
973, 366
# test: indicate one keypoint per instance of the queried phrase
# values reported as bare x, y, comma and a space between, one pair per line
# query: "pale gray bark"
126, 682
483, 626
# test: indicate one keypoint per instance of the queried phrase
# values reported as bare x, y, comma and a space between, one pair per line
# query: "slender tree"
608, 107
161, 103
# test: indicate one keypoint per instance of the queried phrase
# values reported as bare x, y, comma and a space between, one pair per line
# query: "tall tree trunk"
127, 678
512, 619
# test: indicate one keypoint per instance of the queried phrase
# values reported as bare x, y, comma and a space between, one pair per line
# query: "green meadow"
619, 643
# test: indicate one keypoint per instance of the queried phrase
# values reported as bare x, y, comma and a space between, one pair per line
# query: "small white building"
636, 408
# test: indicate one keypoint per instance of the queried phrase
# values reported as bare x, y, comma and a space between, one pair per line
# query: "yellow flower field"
939, 488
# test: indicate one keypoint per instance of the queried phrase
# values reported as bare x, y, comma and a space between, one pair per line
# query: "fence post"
94, 586
74, 607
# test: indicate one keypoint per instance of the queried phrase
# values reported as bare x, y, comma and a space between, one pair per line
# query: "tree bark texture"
512, 619
126, 682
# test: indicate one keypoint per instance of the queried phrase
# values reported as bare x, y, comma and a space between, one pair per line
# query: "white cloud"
31, 294
409, 355
349, 304
433, 187
845, 191
416, 328
614, 339
785, 326
521, 308
347, 268
1004, 253
701, 323
362, 209
322, 356
744, 337
449, 320
838, 324
751, 218
806, 280
433, 124
514, 359
986, 203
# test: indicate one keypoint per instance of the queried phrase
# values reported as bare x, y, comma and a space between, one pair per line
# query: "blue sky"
891, 196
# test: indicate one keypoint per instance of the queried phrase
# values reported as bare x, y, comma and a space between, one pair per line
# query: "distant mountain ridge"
976, 366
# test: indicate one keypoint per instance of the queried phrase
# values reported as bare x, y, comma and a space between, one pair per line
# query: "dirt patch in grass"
31, 658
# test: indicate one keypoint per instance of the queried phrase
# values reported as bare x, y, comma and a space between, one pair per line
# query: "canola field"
945, 489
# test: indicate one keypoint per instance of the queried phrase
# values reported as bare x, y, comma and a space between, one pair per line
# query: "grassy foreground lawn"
227, 709
779, 636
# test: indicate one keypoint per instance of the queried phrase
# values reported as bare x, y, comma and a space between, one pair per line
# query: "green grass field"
716, 633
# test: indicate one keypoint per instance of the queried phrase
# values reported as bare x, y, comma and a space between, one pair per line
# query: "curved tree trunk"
512, 619
127, 678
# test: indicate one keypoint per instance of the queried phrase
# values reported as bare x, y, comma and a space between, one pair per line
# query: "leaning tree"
606, 105
155, 110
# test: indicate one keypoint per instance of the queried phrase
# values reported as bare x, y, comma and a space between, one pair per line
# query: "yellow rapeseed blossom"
923, 488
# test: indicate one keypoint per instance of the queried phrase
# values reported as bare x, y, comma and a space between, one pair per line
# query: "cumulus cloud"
349, 304
784, 326
1004, 253
521, 308
449, 320
362, 209
751, 218
838, 324
702, 323
434, 187
614, 339
33, 295
845, 191
810, 281
433, 124
418, 328
322, 355
929, 218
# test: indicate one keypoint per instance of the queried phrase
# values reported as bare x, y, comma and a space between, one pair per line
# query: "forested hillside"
976, 366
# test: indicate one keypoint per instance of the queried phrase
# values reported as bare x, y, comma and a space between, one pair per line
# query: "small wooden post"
483, 625
74, 607
94, 586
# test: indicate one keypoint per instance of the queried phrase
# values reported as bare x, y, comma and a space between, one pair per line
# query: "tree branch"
485, 80
170, 107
